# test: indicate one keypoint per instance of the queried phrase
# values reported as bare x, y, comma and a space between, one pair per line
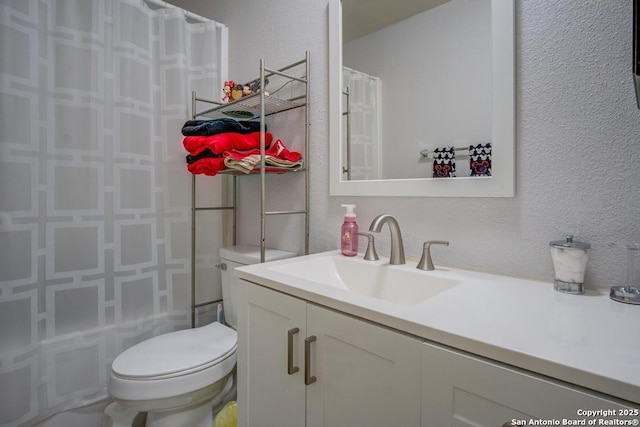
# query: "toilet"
178, 378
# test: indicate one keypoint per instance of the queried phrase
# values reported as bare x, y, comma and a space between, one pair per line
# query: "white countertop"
588, 340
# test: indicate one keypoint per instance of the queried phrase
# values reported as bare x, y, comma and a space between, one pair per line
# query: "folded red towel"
224, 142
244, 160
207, 166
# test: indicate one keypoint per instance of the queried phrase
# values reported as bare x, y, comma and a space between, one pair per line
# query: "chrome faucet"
397, 249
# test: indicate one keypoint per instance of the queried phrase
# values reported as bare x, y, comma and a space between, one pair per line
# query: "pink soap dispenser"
349, 237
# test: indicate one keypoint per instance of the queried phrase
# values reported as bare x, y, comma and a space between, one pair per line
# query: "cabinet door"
367, 375
268, 395
460, 390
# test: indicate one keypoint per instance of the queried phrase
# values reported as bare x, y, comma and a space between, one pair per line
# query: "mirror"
482, 109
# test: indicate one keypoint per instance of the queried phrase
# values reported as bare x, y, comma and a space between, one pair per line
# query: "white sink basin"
398, 284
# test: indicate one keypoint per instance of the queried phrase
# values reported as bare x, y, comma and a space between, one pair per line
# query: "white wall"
578, 139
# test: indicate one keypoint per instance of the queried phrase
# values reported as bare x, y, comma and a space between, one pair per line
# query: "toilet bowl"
179, 377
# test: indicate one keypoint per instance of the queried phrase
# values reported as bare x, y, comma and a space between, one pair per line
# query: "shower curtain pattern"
364, 100
94, 197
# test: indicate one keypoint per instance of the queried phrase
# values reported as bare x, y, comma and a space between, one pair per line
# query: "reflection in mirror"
413, 86
429, 80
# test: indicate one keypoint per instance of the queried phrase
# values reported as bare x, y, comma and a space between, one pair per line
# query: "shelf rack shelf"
248, 107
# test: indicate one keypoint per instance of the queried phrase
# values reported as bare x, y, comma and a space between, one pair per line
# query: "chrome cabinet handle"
308, 378
290, 368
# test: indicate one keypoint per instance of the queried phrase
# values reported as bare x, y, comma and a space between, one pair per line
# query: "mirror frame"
502, 181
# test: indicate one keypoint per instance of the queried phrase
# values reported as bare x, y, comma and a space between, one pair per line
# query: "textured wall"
578, 139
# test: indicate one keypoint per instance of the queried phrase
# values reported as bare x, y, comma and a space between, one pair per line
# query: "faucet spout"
397, 248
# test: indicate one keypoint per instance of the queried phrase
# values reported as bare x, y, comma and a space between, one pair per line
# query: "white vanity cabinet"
301, 364
462, 390
449, 360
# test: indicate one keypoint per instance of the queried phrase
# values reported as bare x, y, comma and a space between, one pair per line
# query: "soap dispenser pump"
349, 232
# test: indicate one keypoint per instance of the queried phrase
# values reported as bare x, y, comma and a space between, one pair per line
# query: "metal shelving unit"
255, 106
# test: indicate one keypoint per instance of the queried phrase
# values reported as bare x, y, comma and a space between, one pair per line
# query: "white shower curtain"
94, 194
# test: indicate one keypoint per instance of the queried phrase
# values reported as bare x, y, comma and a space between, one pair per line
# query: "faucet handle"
370, 254
426, 263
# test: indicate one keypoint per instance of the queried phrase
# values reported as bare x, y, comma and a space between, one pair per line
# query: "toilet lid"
177, 353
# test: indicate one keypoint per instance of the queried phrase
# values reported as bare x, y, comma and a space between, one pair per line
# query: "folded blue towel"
216, 126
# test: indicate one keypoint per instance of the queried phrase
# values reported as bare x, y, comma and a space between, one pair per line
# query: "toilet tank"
237, 256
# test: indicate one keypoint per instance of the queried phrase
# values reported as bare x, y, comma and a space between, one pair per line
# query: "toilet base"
200, 415
197, 415
119, 416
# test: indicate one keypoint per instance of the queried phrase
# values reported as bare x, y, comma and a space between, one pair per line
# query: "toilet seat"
176, 353
173, 364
